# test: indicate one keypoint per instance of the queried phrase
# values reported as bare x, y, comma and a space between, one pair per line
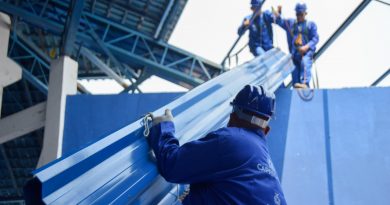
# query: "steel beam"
383, 2
82, 89
163, 19
342, 28
35, 81
107, 51
136, 47
31, 17
40, 61
381, 78
129, 46
71, 26
165, 32
37, 63
102, 66
9, 168
144, 76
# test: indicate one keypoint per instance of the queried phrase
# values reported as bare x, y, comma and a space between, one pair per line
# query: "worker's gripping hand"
277, 12
246, 22
303, 50
164, 118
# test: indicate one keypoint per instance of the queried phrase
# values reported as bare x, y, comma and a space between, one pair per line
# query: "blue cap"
256, 3
255, 99
300, 8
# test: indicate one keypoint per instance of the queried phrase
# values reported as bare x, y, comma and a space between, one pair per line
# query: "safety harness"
301, 33
260, 29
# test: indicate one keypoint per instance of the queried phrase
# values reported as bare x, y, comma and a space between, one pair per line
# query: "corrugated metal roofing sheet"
118, 169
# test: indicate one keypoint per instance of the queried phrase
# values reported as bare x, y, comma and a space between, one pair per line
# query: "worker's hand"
280, 9
303, 49
246, 22
164, 118
277, 12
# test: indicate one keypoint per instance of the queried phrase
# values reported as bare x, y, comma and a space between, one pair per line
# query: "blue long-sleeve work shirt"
260, 32
293, 28
228, 166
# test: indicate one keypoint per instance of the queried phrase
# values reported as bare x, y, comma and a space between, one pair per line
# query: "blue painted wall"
333, 149
88, 118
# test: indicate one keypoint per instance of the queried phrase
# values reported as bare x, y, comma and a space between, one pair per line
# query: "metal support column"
71, 27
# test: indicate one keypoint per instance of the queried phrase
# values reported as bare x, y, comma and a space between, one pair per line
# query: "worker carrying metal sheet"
302, 39
260, 31
231, 165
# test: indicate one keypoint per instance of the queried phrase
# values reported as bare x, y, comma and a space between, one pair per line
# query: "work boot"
300, 86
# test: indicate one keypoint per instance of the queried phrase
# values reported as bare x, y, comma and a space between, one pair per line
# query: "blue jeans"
302, 71
258, 51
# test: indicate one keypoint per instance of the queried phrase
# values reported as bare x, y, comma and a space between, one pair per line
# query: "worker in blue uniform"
302, 39
231, 165
260, 31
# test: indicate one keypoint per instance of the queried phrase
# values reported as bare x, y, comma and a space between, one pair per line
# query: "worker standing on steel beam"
231, 165
260, 31
302, 37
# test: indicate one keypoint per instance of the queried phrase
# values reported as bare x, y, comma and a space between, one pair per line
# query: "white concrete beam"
1, 98
10, 72
62, 82
22, 123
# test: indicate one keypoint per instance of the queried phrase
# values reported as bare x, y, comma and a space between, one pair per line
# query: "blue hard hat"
256, 3
300, 8
255, 99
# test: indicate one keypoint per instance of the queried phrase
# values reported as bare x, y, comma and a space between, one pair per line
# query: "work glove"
163, 118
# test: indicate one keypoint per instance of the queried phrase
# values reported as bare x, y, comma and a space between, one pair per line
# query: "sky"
357, 58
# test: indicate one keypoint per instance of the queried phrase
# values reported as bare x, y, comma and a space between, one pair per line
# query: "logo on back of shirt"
277, 199
254, 100
267, 168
